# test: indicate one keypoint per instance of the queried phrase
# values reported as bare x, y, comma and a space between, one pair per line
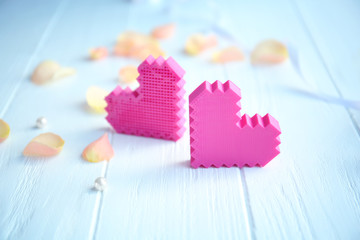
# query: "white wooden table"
310, 191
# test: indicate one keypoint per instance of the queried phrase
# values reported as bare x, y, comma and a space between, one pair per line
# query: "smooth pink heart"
219, 136
156, 107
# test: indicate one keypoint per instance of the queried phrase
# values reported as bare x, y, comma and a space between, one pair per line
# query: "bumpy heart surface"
219, 136
156, 107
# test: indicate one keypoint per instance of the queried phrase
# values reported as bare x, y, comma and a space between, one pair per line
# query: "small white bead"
41, 122
100, 184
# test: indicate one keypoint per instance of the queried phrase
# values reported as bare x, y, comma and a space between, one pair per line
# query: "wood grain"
310, 191
53, 198
338, 47
17, 54
296, 200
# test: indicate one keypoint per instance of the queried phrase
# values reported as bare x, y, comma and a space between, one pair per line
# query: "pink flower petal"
99, 150
164, 31
44, 145
230, 54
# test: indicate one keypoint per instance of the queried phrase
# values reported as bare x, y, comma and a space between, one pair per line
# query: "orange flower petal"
137, 45
198, 43
269, 52
164, 31
99, 150
4, 130
48, 71
230, 54
128, 74
95, 98
98, 53
44, 145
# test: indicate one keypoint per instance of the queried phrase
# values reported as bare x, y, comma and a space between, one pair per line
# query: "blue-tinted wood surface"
310, 191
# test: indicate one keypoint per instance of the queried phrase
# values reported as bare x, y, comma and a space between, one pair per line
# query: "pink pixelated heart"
156, 107
219, 136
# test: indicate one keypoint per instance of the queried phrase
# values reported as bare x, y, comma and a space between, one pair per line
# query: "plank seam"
99, 200
327, 69
249, 219
94, 227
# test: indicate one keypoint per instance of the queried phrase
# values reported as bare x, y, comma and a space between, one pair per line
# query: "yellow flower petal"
128, 74
64, 72
95, 98
48, 71
99, 150
198, 43
164, 31
269, 52
98, 53
4, 130
230, 54
44, 145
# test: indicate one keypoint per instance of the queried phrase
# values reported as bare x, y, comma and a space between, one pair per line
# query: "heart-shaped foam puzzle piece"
219, 136
156, 107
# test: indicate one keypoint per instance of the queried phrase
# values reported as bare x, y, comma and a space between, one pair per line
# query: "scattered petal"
4, 130
128, 74
198, 43
44, 145
137, 45
64, 72
98, 53
269, 52
99, 150
48, 71
164, 31
45, 71
230, 54
95, 98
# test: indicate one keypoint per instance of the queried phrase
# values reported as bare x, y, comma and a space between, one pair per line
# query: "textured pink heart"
219, 136
156, 107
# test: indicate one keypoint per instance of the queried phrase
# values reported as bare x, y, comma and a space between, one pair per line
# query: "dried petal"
95, 98
198, 43
4, 130
137, 45
269, 52
48, 71
230, 54
99, 150
98, 53
164, 31
64, 72
128, 74
44, 145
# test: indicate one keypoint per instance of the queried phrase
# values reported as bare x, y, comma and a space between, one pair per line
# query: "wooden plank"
26, 28
53, 198
336, 34
311, 189
153, 191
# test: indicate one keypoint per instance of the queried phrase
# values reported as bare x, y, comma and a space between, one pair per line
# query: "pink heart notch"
156, 108
219, 136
